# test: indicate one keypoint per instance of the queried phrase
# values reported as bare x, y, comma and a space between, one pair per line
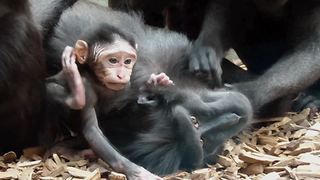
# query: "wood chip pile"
283, 148
56, 167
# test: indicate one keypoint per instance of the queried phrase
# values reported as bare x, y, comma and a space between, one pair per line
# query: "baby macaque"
94, 73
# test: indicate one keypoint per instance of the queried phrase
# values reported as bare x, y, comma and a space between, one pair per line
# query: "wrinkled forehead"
118, 45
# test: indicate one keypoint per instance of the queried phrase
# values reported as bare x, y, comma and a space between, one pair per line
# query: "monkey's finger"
68, 49
194, 65
211, 58
69, 54
163, 79
63, 59
69, 59
73, 59
204, 59
160, 79
66, 55
151, 79
166, 82
160, 76
215, 67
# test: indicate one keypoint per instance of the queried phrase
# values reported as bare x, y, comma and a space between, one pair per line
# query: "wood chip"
301, 116
248, 148
47, 178
298, 134
116, 176
77, 172
273, 169
225, 161
26, 174
284, 121
314, 130
310, 158
291, 174
10, 174
271, 176
293, 145
283, 148
303, 148
307, 175
56, 172
3, 165
95, 175
57, 160
268, 140
82, 162
258, 157
9, 157
29, 163
308, 168
253, 169
201, 174
51, 165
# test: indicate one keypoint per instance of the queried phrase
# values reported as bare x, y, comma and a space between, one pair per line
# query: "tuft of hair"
105, 33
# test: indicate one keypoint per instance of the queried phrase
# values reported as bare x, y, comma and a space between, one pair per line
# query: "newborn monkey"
105, 60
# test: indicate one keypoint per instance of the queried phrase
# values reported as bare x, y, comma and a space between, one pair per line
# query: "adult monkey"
22, 76
162, 114
277, 40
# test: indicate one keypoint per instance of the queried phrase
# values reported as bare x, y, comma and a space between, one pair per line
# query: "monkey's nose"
120, 76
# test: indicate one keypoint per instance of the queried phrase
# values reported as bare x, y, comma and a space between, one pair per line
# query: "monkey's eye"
113, 60
127, 61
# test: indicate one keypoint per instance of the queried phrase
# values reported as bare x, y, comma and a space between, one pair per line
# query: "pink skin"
70, 70
72, 74
160, 79
88, 154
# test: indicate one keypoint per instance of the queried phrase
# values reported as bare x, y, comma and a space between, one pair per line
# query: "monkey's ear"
81, 50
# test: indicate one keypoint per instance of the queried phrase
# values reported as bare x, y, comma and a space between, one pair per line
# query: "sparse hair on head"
106, 33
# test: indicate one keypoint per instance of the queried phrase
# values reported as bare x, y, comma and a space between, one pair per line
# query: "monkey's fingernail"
237, 117
196, 125
228, 86
201, 141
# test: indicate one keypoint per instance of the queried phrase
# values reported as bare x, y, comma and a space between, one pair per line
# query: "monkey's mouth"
116, 86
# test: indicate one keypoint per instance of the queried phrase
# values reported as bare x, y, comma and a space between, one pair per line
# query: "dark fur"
21, 76
60, 118
157, 132
46, 14
278, 45
162, 137
58, 114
